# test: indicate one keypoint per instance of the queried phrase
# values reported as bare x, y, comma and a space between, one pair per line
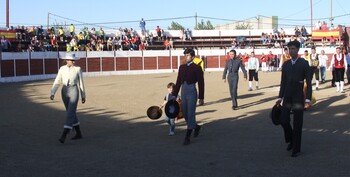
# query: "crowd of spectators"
35, 38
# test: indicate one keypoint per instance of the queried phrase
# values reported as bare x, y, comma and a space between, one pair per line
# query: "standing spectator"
189, 74
182, 35
339, 64
231, 73
271, 60
292, 93
323, 59
101, 34
5, 44
284, 57
263, 62
142, 25
228, 55
70, 76
71, 30
253, 68
324, 26
245, 60
314, 66
188, 34
347, 55
282, 33
61, 33
159, 33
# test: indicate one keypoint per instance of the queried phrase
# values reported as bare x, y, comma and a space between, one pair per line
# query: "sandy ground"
119, 139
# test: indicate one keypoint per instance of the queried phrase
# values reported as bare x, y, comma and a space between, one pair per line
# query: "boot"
78, 134
64, 135
187, 140
196, 131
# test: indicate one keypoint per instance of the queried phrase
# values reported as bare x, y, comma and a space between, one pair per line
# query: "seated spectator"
142, 46
46, 44
303, 31
276, 33
171, 43
324, 42
332, 41
166, 44
286, 40
277, 44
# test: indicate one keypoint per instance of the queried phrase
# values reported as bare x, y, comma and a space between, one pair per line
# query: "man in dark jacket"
294, 73
231, 72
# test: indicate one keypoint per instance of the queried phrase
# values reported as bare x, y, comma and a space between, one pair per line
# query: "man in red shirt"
271, 61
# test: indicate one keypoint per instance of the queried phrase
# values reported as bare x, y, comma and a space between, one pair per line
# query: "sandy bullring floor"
119, 139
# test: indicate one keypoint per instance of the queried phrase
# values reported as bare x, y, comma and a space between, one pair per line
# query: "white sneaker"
171, 133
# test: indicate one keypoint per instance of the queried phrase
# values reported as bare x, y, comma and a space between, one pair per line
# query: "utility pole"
331, 18
195, 17
311, 26
48, 20
7, 13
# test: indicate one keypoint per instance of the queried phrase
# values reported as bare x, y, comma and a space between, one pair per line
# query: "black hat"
172, 109
154, 112
275, 114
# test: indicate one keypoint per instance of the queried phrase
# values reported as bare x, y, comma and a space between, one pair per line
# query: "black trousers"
315, 71
292, 134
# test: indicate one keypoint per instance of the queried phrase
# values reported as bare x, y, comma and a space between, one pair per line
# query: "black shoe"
289, 147
64, 135
187, 141
295, 154
78, 134
316, 88
234, 107
196, 131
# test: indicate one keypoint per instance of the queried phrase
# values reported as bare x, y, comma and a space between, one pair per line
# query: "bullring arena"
119, 139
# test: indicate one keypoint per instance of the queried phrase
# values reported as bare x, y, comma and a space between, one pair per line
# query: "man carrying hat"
70, 77
294, 72
189, 74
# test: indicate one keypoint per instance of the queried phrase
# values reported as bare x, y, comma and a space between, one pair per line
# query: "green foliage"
243, 26
175, 26
204, 25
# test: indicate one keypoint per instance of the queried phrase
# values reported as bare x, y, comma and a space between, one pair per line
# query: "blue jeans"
348, 74
323, 73
171, 122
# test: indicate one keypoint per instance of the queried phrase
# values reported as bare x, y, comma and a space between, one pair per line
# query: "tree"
243, 26
175, 26
204, 26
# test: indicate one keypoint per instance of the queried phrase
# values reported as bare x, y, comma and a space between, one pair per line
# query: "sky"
113, 14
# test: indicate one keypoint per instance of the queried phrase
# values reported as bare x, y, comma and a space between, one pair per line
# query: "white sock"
341, 85
250, 84
257, 83
337, 84
317, 82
